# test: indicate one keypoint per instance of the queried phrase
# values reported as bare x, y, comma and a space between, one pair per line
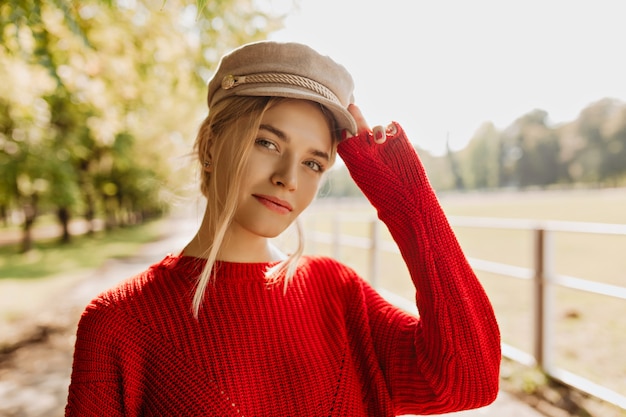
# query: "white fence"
542, 275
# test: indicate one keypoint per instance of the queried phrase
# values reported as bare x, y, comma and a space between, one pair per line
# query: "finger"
392, 129
361, 123
380, 135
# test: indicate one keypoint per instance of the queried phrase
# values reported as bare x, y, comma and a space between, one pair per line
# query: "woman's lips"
273, 203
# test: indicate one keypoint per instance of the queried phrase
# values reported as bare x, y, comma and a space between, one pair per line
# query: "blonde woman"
230, 326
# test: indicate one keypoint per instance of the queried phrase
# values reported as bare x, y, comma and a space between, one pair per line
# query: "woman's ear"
207, 162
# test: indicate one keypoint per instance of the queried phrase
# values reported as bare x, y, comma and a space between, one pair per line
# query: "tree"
613, 168
119, 90
531, 151
459, 184
480, 160
23, 125
595, 143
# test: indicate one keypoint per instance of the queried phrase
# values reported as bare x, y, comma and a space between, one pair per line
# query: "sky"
442, 68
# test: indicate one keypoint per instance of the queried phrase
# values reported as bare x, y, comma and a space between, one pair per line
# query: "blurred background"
517, 109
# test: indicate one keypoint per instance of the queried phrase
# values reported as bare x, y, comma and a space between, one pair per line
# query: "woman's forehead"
297, 118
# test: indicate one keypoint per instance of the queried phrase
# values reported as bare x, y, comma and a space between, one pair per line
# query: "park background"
517, 110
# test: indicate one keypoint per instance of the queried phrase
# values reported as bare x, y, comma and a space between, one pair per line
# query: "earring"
206, 164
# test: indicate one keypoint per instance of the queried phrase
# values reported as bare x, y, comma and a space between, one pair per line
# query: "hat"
285, 69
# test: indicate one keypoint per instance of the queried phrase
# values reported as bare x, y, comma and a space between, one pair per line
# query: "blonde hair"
225, 138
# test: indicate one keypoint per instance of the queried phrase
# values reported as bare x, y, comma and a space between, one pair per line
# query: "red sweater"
330, 345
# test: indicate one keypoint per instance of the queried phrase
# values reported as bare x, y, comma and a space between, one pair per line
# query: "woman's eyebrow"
320, 154
282, 136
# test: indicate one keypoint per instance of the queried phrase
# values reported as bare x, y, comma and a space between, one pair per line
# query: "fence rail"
542, 275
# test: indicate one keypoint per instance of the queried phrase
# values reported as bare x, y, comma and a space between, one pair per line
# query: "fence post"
538, 298
374, 253
548, 300
543, 298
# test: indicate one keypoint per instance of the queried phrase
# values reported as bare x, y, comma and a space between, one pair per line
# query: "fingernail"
378, 135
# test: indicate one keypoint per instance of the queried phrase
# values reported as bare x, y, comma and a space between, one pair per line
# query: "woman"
231, 326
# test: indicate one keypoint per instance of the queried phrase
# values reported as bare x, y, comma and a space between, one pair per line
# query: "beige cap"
285, 69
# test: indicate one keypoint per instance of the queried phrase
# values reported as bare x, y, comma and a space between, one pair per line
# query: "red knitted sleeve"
95, 389
449, 359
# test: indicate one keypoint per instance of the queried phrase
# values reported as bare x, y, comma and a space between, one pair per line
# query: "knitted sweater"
329, 345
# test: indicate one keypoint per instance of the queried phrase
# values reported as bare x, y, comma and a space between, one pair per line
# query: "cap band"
231, 81
285, 69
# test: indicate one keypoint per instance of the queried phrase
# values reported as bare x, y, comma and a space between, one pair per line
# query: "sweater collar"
192, 266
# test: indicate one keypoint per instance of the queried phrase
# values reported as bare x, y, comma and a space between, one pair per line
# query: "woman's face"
292, 149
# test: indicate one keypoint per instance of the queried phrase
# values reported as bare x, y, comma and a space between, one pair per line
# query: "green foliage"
98, 97
596, 143
480, 160
533, 153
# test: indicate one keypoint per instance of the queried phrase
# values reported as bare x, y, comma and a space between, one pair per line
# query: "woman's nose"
285, 175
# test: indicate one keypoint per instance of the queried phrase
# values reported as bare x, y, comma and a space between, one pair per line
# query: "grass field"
588, 331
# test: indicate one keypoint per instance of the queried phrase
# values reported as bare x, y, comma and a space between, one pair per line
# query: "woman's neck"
236, 247
234, 253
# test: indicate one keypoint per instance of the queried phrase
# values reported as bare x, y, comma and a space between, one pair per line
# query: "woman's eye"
315, 166
266, 144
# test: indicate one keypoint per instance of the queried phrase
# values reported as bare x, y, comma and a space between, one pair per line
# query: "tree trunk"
90, 213
110, 213
4, 215
30, 214
63, 214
